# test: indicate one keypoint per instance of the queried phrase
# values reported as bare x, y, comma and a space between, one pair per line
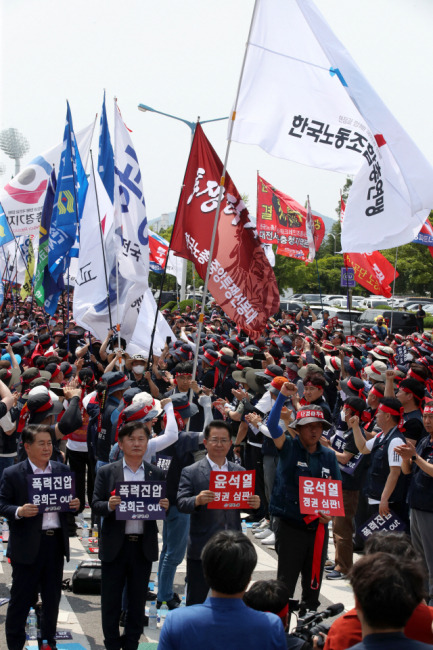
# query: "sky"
184, 58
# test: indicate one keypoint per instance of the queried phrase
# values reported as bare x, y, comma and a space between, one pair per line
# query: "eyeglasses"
219, 441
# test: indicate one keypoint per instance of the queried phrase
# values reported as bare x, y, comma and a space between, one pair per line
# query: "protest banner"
318, 494
51, 492
232, 489
140, 500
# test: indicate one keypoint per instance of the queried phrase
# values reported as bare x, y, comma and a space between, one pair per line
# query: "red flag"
241, 279
158, 249
342, 210
372, 271
281, 220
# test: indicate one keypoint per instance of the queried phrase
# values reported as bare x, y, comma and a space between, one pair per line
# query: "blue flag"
5, 232
47, 290
105, 155
68, 204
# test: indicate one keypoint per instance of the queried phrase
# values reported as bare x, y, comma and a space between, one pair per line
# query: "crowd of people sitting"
296, 402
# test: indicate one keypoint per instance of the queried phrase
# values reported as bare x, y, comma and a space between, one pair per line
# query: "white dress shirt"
215, 467
132, 526
49, 519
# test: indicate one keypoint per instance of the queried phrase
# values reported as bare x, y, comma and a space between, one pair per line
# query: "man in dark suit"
37, 542
126, 549
194, 495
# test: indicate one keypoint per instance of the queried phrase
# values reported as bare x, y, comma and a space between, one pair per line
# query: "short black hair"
380, 387
398, 544
129, 428
317, 379
228, 560
267, 596
387, 589
184, 368
220, 424
29, 432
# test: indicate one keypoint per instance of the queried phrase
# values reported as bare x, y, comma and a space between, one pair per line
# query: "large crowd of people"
298, 401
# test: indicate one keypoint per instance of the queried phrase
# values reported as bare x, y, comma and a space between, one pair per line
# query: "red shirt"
346, 630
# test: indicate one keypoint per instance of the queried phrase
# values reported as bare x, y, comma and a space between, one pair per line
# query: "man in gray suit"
194, 495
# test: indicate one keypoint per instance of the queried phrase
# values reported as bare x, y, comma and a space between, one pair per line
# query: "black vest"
379, 469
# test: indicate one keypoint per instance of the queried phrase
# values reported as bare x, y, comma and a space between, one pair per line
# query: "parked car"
343, 315
373, 303
290, 306
416, 301
403, 322
167, 296
312, 298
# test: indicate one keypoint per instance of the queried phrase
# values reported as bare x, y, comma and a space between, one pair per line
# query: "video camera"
310, 625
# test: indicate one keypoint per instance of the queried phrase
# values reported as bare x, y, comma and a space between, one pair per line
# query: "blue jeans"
174, 540
6, 462
101, 463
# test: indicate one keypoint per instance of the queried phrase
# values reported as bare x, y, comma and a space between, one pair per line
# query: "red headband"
406, 389
334, 363
376, 392
365, 416
413, 374
399, 413
56, 372
141, 413
28, 380
44, 407
118, 382
428, 408
209, 357
360, 391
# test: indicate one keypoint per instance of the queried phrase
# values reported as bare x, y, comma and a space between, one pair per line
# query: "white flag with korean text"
90, 289
131, 234
130, 219
23, 196
303, 98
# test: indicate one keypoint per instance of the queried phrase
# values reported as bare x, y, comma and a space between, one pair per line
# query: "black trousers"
45, 574
295, 548
253, 459
196, 586
83, 465
131, 568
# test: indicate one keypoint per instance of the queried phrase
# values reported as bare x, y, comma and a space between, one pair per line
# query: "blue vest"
379, 468
421, 485
295, 461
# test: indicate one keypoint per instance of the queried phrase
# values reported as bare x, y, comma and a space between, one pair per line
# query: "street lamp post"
192, 127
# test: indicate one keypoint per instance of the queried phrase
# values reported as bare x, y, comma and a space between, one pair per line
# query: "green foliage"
428, 322
170, 280
171, 304
414, 266
184, 303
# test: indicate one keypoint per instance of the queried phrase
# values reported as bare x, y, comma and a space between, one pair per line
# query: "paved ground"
81, 614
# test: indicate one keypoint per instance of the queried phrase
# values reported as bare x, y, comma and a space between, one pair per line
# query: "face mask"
138, 369
343, 415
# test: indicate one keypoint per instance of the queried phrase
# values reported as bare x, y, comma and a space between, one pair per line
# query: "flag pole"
102, 240
393, 289
220, 196
348, 300
68, 310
